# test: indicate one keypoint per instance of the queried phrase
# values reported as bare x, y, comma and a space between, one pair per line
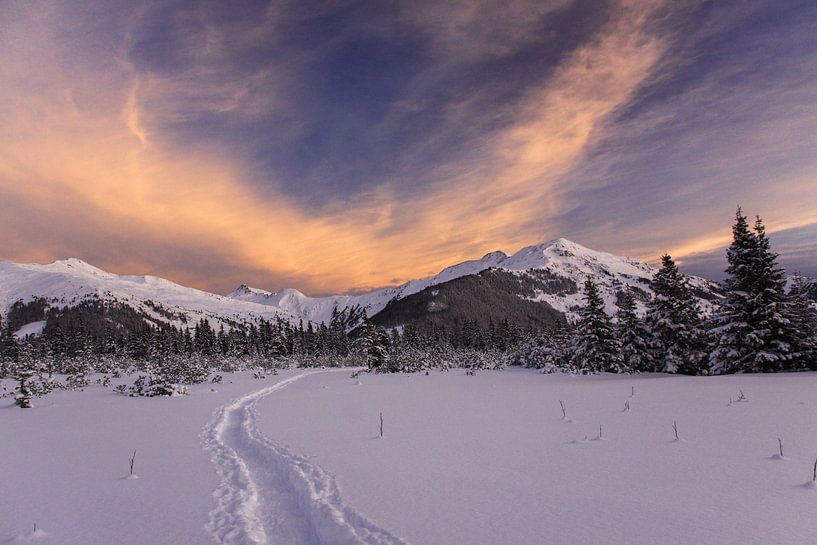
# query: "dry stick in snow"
675, 427
814, 478
131, 462
632, 391
599, 431
564, 411
626, 405
381, 424
780, 446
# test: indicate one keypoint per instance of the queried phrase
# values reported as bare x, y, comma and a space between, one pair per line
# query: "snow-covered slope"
319, 309
71, 281
561, 258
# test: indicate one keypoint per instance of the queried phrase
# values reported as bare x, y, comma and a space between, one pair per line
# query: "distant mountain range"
546, 276
539, 285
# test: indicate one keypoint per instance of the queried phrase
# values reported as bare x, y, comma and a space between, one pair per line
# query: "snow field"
64, 466
270, 496
486, 459
489, 459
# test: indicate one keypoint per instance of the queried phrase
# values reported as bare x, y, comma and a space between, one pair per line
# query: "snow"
561, 257
489, 460
70, 281
269, 495
486, 459
319, 309
33, 328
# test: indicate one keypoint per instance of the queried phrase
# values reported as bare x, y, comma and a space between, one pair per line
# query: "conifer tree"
594, 348
803, 316
673, 318
632, 335
373, 343
751, 329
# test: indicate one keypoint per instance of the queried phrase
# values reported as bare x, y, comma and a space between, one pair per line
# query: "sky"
342, 146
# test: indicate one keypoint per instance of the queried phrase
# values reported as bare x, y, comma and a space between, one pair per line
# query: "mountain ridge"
550, 273
560, 257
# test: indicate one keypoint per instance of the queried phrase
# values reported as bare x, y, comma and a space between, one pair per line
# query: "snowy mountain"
319, 309
72, 281
558, 268
552, 273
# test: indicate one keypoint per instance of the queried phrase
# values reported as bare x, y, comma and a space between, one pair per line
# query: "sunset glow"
260, 144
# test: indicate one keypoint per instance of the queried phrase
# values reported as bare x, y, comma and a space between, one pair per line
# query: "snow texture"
71, 281
477, 460
561, 257
270, 496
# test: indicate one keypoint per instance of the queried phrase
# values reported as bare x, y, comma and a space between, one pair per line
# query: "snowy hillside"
559, 267
319, 309
562, 259
72, 281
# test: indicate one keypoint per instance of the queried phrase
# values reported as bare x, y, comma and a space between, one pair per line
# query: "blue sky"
347, 145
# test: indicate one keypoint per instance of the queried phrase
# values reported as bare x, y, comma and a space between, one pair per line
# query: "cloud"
171, 152
725, 121
183, 198
796, 247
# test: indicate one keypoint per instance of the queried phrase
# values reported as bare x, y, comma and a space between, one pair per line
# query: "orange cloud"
90, 135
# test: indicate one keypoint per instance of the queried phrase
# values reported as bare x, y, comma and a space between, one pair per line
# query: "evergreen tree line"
757, 327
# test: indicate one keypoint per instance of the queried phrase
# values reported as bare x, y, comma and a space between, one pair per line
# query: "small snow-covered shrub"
155, 386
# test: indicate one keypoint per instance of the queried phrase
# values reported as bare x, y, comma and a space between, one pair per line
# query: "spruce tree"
776, 338
730, 330
594, 348
803, 316
632, 335
373, 344
752, 330
673, 317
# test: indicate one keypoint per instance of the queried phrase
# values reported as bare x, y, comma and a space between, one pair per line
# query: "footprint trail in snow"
270, 496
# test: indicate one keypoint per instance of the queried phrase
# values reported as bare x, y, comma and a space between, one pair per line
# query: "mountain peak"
497, 255
244, 290
75, 264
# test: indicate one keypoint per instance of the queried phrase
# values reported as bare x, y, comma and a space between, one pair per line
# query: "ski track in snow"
270, 496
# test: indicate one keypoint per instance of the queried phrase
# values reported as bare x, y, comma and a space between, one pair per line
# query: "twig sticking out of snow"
742, 397
626, 406
381, 424
632, 391
675, 427
131, 462
600, 436
814, 477
780, 446
564, 410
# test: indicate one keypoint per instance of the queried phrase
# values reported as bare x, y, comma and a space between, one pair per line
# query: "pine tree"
730, 330
373, 343
673, 318
24, 371
772, 328
594, 348
802, 313
633, 335
752, 328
